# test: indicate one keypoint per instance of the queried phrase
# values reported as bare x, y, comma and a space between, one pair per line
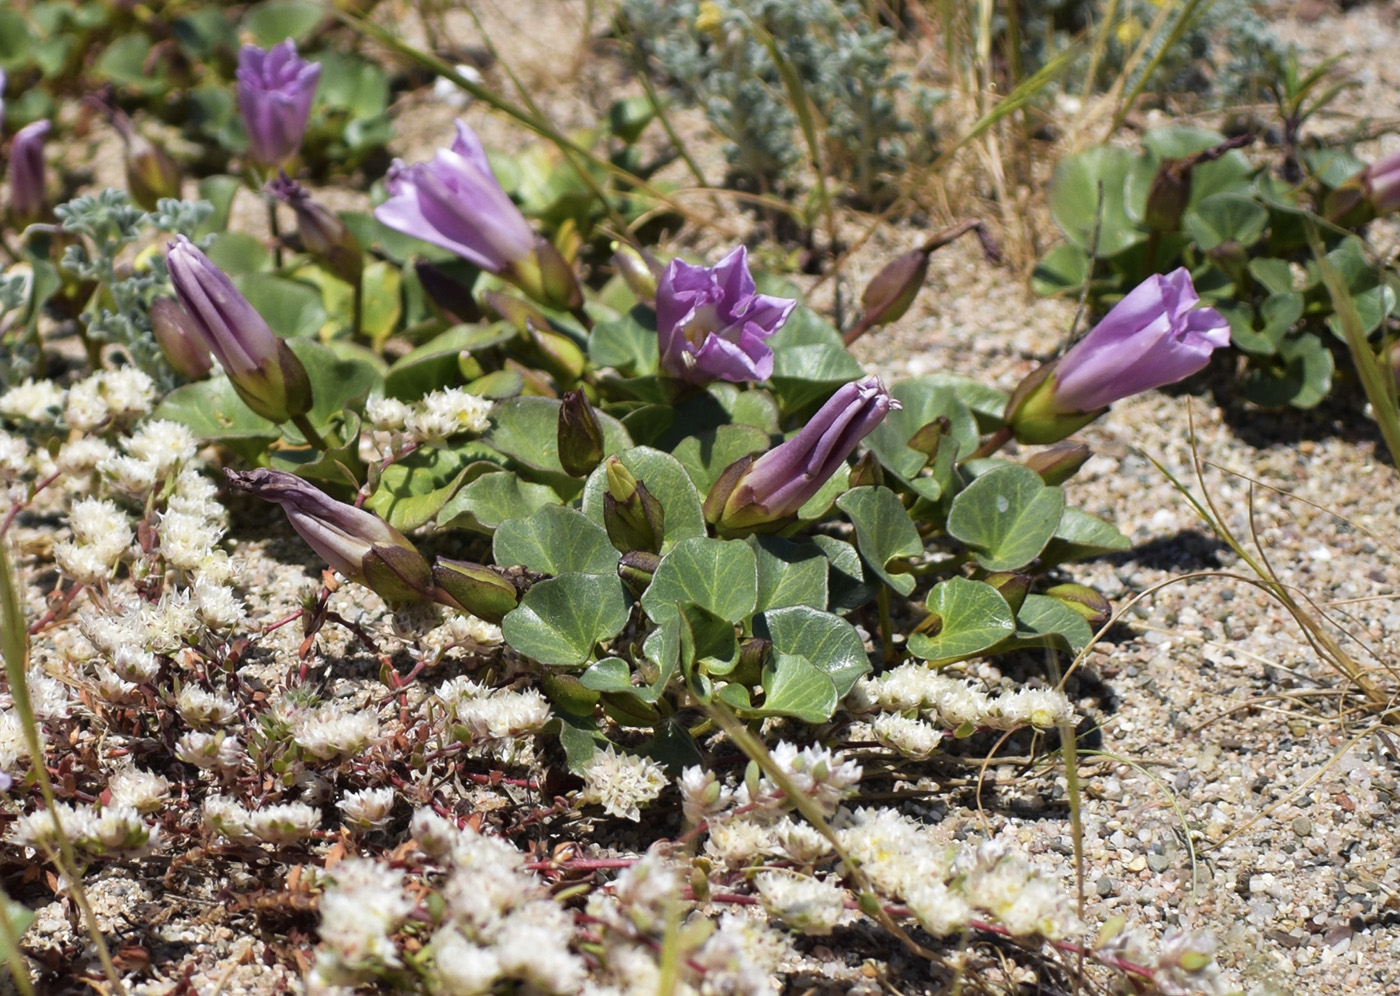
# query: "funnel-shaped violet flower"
1381, 181
275, 92
357, 543
456, 202
27, 173
1155, 336
263, 370
751, 494
712, 325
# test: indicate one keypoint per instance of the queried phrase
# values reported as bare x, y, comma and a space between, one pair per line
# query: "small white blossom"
462, 968
436, 835
102, 527
815, 771
163, 443
33, 401
911, 737
503, 714
359, 912
86, 408
387, 414
129, 392
84, 564
48, 697
1186, 965
644, 893
81, 455
809, 905
227, 818
14, 457
130, 475
469, 631
799, 841
112, 689
205, 709
940, 910
702, 795
621, 783
448, 413
218, 606
1042, 708
210, 750
186, 539
367, 809
135, 665
285, 822
330, 730
145, 791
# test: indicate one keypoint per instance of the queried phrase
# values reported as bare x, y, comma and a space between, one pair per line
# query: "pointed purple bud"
265, 373
27, 193
781, 481
1155, 336
180, 339
150, 173
712, 325
275, 92
891, 291
357, 543
322, 233
1381, 181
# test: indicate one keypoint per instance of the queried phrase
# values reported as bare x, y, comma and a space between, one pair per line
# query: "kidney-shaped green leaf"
827, 641
492, 499
668, 482
555, 540
720, 576
1006, 516
794, 686
973, 618
884, 532
561, 620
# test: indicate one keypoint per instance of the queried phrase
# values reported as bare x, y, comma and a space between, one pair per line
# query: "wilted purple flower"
455, 202
323, 235
1381, 180
711, 324
1154, 336
27, 196
773, 487
263, 370
357, 543
275, 91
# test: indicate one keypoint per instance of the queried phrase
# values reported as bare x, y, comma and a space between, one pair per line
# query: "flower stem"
990, 445
309, 432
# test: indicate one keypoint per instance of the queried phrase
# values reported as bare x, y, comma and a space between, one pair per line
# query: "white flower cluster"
116, 828
282, 823
817, 772
102, 534
621, 783
39, 401
210, 751
494, 713
439, 415
949, 704
359, 913
1183, 964
807, 904
333, 730
367, 809
108, 395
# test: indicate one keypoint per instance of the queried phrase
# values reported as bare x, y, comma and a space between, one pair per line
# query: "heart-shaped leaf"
720, 576
555, 540
1006, 516
973, 617
829, 642
562, 620
492, 499
789, 573
794, 686
1081, 535
884, 532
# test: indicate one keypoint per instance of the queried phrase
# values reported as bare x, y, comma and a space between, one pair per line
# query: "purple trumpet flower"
768, 491
1381, 181
275, 92
263, 370
712, 326
456, 202
357, 543
1155, 336
27, 196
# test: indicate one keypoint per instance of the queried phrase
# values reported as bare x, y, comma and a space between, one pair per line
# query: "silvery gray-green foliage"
718, 61
109, 222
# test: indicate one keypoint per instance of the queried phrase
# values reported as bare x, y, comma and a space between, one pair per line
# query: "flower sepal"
1035, 418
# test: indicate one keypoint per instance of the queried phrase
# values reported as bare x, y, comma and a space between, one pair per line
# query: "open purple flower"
455, 202
263, 370
1381, 181
1156, 335
357, 543
27, 195
752, 493
712, 325
275, 91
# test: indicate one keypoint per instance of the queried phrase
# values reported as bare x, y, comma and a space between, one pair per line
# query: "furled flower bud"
1154, 336
1057, 464
632, 516
357, 543
180, 339
1012, 586
1085, 600
711, 324
890, 293
769, 491
1381, 181
580, 436
639, 270
275, 93
150, 173
27, 194
1169, 194
322, 234
456, 202
263, 370
474, 588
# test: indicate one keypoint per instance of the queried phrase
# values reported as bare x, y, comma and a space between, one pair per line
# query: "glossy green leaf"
884, 532
561, 620
1301, 376
238, 253
274, 21
706, 454
720, 576
611, 674
668, 483
555, 540
16, 41
1081, 535
789, 573
413, 490
124, 63
1062, 270
291, 307
1226, 217
628, 344
526, 429
1006, 516
1078, 184
809, 361
483, 504
828, 641
1047, 622
847, 585
433, 366
973, 617
794, 686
